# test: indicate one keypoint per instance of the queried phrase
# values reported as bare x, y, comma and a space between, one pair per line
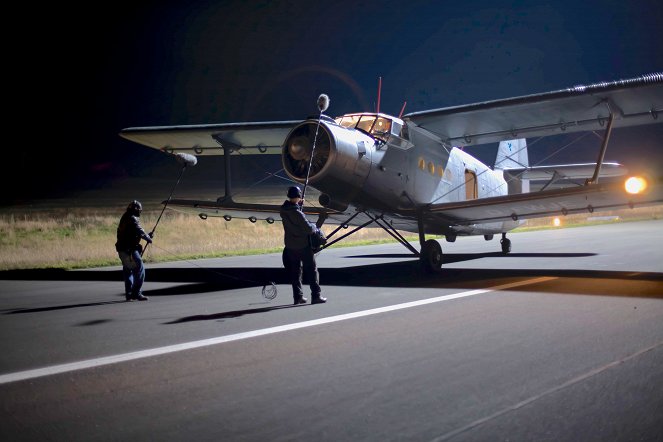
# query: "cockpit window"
379, 127
348, 120
382, 127
366, 123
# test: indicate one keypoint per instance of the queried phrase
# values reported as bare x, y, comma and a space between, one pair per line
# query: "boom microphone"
186, 159
323, 102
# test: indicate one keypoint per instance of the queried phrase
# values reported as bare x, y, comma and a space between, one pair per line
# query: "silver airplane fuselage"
380, 162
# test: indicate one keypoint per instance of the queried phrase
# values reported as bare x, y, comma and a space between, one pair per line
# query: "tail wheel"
431, 256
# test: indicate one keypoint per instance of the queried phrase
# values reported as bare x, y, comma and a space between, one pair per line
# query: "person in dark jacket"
129, 234
298, 251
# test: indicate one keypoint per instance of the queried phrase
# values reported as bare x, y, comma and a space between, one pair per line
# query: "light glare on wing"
635, 185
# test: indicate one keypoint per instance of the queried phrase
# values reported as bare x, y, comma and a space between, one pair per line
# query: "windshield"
379, 127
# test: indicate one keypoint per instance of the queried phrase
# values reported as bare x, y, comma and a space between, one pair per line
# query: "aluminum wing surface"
209, 139
566, 171
634, 101
230, 209
587, 199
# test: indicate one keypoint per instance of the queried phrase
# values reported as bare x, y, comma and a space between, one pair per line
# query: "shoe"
140, 297
318, 300
128, 297
300, 300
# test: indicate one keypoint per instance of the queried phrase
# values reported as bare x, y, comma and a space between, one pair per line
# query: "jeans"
134, 272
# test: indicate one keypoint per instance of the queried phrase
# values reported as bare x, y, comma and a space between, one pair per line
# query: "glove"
151, 234
149, 240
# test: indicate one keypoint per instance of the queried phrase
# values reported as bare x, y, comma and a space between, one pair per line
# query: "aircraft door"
471, 187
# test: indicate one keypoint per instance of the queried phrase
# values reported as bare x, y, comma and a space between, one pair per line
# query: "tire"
506, 246
431, 256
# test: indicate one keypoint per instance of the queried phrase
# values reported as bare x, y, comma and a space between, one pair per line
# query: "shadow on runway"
449, 258
406, 274
61, 307
233, 314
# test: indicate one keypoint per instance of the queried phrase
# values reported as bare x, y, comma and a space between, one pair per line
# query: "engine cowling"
341, 161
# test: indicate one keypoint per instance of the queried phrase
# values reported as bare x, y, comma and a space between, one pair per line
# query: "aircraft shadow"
406, 274
449, 258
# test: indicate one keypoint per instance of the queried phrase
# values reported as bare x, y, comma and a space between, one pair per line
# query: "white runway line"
98, 362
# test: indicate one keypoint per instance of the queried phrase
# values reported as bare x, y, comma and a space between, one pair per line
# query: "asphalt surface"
560, 340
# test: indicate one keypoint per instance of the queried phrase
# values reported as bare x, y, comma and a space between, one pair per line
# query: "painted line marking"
107, 360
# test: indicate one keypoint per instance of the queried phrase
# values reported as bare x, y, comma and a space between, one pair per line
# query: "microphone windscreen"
186, 159
323, 102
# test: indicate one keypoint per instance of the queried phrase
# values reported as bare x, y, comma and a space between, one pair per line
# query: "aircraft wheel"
431, 256
506, 245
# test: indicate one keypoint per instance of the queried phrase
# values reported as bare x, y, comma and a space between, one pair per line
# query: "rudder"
512, 154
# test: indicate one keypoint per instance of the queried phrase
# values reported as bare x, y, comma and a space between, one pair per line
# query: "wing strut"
227, 151
379, 220
599, 162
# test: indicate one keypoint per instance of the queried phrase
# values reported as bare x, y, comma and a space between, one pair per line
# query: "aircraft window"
422, 163
348, 120
405, 133
381, 127
378, 127
366, 123
431, 168
396, 128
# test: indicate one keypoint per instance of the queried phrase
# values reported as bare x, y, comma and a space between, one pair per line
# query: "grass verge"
85, 237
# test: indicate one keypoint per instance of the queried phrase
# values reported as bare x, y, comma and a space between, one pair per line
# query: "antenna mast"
379, 91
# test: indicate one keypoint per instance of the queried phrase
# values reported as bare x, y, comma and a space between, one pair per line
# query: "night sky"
81, 74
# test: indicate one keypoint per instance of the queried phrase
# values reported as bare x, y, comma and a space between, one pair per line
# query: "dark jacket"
295, 225
129, 233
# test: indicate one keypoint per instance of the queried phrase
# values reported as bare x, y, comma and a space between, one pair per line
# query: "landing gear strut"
506, 244
430, 256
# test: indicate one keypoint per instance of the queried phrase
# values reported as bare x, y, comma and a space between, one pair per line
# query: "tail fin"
512, 154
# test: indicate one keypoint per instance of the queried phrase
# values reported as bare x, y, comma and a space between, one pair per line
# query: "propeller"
299, 150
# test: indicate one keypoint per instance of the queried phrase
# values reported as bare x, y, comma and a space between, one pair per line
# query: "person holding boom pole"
129, 235
129, 249
298, 251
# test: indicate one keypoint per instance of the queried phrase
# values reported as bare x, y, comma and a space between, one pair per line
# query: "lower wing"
590, 198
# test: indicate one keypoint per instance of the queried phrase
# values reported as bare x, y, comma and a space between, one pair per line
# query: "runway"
560, 340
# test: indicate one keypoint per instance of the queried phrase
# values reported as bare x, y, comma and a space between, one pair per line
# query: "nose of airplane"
298, 148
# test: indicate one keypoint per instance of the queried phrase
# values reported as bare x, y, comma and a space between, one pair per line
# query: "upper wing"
634, 101
208, 139
596, 197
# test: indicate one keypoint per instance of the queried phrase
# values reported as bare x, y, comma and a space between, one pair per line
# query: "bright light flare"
556, 222
635, 185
